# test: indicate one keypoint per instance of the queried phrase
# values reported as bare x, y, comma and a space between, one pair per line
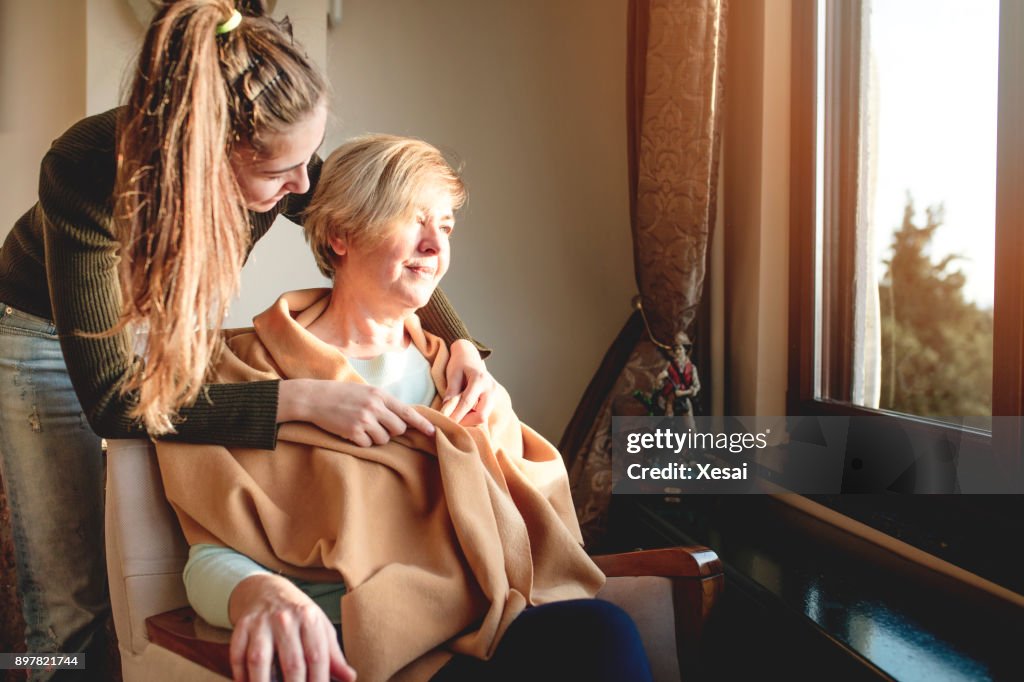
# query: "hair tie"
231, 24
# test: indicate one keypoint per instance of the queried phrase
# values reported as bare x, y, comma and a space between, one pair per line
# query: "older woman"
454, 556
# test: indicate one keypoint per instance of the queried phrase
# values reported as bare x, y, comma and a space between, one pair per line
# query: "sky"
935, 79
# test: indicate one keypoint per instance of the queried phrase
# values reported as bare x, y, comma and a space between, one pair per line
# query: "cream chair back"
146, 553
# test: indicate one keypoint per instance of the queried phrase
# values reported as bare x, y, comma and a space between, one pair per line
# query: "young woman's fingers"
485, 405
468, 400
390, 419
410, 416
455, 375
466, 404
377, 433
449, 405
361, 439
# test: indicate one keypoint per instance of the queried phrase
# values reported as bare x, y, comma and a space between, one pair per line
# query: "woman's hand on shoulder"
274, 617
363, 414
471, 388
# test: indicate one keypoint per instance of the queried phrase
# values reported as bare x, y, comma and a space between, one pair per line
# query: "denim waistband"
16, 321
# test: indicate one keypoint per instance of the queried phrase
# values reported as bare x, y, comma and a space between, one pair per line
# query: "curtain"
675, 67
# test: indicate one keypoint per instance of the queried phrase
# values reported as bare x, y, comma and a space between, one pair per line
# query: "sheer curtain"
675, 66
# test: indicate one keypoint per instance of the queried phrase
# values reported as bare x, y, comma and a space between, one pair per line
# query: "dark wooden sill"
814, 589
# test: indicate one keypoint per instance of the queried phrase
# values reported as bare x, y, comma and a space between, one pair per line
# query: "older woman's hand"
470, 386
273, 616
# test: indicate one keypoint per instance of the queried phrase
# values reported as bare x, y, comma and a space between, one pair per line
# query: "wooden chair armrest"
672, 562
697, 580
186, 634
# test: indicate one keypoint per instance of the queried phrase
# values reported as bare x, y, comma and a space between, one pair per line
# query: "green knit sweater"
60, 262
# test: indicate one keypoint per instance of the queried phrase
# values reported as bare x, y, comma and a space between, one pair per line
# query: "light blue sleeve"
211, 574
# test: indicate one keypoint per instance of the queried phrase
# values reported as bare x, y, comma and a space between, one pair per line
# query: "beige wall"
113, 38
42, 92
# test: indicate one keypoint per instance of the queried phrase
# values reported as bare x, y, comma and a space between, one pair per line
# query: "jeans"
53, 470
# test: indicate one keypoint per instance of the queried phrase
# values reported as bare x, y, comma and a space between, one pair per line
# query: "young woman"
145, 216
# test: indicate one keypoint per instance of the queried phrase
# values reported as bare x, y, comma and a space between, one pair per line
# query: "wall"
42, 92
114, 36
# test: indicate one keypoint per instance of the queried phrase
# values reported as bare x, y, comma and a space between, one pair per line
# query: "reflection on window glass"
928, 159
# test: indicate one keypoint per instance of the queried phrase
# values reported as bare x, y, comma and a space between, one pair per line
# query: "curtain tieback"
638, 304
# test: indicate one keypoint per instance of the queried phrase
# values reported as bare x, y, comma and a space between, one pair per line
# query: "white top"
404, 374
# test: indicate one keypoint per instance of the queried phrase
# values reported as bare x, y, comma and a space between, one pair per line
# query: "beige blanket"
441, 541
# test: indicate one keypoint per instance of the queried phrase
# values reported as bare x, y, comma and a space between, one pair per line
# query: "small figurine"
674, 386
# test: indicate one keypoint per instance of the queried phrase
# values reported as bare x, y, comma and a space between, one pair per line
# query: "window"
906, 211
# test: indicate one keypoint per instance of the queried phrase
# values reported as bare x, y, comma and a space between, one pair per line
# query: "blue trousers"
52, 469
581, 639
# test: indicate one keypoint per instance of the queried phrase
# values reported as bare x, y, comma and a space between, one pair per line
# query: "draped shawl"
441, 541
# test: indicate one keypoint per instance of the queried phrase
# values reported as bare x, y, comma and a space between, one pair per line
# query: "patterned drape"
675, 69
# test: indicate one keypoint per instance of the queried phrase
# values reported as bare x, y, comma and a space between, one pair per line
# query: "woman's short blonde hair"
367, 183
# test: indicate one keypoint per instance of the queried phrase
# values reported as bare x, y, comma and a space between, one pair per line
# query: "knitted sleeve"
75, 190
439, 318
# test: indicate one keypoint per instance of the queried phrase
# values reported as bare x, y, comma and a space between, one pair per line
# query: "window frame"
840, 179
